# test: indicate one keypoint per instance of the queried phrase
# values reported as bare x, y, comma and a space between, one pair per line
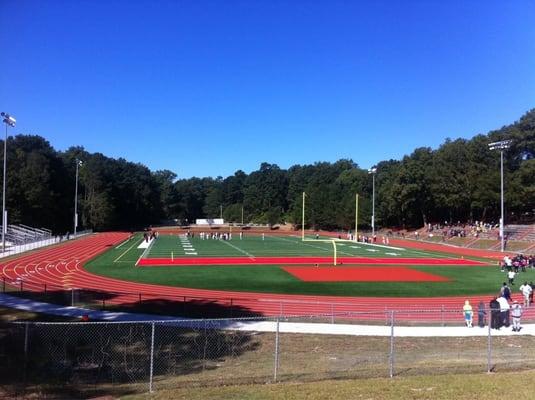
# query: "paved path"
261, 326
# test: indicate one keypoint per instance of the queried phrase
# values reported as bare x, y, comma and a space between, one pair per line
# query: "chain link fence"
82, 358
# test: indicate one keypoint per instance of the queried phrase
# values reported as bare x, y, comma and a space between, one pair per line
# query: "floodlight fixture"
8, 119
501, 145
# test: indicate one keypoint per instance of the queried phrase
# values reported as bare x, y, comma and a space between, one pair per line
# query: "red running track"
61, 266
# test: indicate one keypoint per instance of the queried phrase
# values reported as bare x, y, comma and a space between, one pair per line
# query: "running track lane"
62, 266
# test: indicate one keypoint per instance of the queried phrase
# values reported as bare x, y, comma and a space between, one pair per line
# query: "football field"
286, 264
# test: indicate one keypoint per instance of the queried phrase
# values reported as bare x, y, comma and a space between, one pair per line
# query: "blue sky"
204, 88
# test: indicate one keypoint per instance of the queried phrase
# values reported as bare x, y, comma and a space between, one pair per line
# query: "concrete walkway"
261, 326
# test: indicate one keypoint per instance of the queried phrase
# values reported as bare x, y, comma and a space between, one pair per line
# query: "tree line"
459, 181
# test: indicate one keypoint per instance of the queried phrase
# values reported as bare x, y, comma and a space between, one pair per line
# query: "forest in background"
459, 181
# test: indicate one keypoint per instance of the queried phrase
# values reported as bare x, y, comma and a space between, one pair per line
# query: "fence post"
72, 297
442, 314
391, 344
26, 340
489, 348
4, 284
151, 359
45, 288
276, 366
332, 313
21, 285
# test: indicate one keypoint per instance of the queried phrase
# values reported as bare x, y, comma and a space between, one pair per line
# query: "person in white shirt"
526, 291
511, 276
516, 313
504, 311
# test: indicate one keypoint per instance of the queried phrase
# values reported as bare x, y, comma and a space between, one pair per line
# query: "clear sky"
204, 88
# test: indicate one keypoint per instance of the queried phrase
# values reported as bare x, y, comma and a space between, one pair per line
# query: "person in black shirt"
494, 314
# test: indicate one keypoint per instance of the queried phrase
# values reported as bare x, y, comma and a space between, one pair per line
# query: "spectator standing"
516, 313
468, 313
481, 312
504, 311
494, 313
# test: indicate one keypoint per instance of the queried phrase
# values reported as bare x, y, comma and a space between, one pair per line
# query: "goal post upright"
334, 246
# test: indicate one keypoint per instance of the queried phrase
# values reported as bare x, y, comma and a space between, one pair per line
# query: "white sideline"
264, 326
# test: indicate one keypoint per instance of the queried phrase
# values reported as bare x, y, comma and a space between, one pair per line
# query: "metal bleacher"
22, 234
520, 232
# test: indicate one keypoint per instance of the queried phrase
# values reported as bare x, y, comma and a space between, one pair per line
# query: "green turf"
119, 263
272, 246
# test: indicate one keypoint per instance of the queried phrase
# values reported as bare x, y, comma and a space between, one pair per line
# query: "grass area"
459, 387
119, 263
483, 244
517, 245
460, 241
194, 363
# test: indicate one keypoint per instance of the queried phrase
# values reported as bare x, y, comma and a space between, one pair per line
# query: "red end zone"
362, 274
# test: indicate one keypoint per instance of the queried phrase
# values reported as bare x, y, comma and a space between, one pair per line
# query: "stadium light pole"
79, 163
9, 121
501, 145
373, 171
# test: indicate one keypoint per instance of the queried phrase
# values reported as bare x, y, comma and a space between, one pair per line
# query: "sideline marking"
126, 241
130, 248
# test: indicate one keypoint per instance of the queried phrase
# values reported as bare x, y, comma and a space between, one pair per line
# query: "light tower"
79, 163
501, 145
373, 171
9, 121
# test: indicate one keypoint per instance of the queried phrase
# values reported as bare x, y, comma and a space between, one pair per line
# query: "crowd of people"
150, 235
215, 235
502, 308
517, 263
461, 229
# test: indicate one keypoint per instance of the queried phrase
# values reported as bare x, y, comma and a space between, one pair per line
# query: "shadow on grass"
86, 359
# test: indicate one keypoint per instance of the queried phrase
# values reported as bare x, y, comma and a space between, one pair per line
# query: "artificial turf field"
197, 269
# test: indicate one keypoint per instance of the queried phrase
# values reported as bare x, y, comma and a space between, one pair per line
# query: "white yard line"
237, 248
